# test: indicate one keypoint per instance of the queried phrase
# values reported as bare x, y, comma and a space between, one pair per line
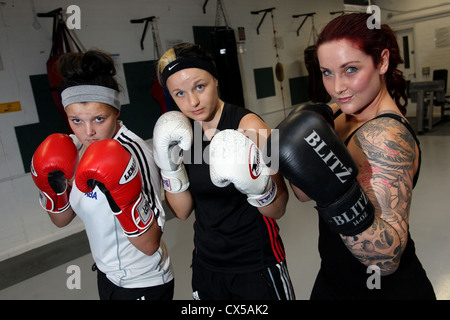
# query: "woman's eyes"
199, 87
97, 119
327, 73
351, 69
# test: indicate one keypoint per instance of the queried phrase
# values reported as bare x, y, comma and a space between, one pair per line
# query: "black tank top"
346, 278
230, 234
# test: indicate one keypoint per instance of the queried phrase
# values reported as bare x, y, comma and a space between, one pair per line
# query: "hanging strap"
60, 33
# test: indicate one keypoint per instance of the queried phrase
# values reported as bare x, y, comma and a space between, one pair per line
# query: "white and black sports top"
113, 253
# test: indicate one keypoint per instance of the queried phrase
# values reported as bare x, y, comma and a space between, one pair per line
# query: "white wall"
105, 25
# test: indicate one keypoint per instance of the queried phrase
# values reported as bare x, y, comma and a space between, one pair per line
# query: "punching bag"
227, 64
158, 93
316, 90
61, 37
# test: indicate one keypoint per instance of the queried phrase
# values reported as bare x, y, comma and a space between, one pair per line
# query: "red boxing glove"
53, 163
107, 165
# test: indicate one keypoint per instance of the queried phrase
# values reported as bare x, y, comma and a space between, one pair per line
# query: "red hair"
353, 27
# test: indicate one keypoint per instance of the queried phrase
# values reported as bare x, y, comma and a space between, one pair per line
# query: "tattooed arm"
386, 155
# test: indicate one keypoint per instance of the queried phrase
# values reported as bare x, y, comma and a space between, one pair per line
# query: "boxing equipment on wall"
157, 91
279, 69
62, 42
224, 50
316, 89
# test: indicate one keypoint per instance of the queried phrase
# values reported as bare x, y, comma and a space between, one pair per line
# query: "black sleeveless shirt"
342, 276
230, 234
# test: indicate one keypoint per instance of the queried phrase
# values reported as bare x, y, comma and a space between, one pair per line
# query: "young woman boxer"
116, 188
238, 250
362, 173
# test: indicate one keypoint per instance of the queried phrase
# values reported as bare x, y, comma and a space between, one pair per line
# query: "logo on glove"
130, 172
327, 155
254, 162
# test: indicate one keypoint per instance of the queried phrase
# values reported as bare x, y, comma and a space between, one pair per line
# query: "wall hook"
258, 12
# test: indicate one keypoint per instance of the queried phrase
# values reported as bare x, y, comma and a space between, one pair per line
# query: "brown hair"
92, 68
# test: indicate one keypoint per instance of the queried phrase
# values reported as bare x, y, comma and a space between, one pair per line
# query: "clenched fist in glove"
236, 159
314, 159
107, 165
53, 164
172, 134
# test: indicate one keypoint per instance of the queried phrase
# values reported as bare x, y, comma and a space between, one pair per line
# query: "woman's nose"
339, 85
193, 100
90, 131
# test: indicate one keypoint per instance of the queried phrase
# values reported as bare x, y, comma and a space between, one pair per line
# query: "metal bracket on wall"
56, 15
305, 15
262, 19
146, 20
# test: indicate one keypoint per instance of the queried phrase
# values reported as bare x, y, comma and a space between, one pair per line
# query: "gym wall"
25, 43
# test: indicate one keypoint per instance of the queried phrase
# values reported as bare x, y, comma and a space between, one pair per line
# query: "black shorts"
272, 283
109, 291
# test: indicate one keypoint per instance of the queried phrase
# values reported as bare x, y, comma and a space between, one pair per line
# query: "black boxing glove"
323, 109
314, 158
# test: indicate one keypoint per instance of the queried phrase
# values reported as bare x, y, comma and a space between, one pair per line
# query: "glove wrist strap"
58, 204
266, 198
351, 214
138, 220
175, 181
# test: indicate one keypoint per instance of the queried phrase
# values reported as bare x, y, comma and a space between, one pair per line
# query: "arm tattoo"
386, 174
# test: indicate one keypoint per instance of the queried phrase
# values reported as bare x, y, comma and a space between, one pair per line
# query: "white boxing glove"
236, 159
172, 134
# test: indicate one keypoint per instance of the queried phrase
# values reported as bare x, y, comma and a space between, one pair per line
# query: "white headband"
90, 93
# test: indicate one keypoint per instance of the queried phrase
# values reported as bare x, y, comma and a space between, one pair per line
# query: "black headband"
186, 63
